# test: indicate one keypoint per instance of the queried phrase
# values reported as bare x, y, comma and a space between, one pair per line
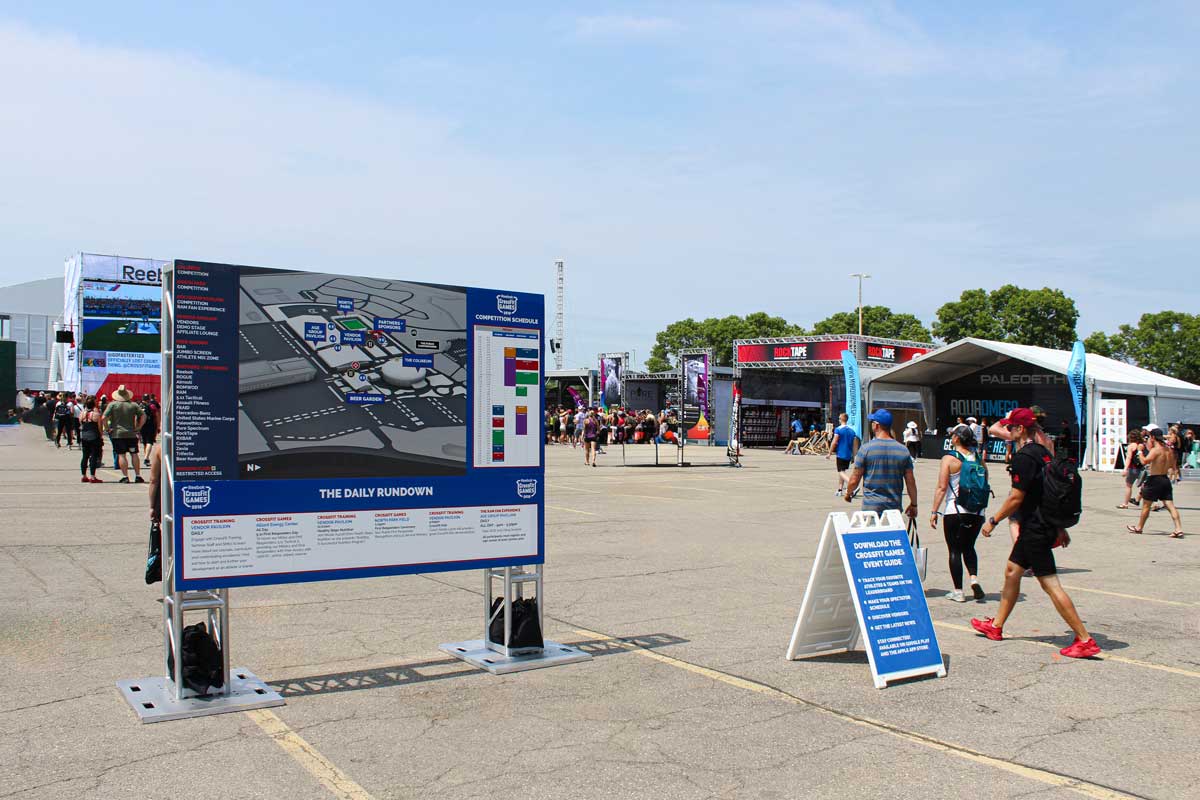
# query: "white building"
28, 315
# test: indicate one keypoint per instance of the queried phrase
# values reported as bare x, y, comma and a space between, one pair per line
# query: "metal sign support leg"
497, 657
160, 698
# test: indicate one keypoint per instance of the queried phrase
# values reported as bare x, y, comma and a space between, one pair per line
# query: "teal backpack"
973, 490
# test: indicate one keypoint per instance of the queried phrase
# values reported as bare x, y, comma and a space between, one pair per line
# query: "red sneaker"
1081, 649
94, 479
988, 629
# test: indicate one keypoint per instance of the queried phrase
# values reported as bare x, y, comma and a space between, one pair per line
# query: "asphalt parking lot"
683, 583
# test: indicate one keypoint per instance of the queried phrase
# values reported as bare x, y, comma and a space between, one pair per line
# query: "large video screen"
122, 317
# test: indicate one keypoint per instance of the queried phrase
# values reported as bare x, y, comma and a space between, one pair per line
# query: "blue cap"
882, 416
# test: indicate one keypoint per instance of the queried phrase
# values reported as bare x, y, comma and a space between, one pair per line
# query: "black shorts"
121, 446
1158, 488
149, 435
843, 464
1034, 549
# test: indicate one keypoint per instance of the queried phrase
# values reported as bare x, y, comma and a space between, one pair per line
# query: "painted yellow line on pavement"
1132, 596
572, 510
325, 771
573, 488
1032, 773
1187, 673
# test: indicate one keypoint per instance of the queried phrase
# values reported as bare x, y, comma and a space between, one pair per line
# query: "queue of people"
86, 421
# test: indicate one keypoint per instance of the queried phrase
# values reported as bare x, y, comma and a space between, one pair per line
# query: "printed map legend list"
507, 365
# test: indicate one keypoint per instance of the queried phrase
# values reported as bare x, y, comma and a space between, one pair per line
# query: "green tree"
877, 321
1043, 317
715, 332
1167, 342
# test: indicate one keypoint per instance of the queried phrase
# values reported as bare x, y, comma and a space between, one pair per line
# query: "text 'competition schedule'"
507, 397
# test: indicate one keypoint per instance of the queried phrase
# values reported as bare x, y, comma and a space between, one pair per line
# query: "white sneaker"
956, 596
838, 493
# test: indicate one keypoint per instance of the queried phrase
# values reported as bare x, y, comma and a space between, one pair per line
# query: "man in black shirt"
1034, 547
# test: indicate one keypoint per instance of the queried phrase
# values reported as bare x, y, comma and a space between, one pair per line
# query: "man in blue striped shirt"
885, 469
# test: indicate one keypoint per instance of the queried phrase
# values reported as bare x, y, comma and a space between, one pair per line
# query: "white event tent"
1170, 399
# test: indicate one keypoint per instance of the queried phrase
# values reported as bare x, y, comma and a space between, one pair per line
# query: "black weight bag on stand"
526, 630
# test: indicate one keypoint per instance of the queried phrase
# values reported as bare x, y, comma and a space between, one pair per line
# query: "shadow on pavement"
440, 669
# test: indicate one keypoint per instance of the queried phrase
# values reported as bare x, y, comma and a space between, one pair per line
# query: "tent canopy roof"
970, 355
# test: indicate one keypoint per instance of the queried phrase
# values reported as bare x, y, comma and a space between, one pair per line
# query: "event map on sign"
507, 396
350, 377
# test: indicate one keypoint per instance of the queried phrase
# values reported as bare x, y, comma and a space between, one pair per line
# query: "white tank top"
951, 505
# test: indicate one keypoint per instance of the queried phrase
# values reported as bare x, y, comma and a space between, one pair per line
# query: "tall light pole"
860, 276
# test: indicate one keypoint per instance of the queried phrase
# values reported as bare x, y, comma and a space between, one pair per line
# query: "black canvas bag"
154, 554
202, 662
526, 629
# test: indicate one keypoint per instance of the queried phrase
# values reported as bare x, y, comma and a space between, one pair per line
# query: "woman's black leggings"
91, 456
961, 531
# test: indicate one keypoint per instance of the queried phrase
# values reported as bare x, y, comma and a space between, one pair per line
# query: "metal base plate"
153, 699
477, 654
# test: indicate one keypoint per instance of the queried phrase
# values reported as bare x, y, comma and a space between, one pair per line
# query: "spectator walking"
1134, 449
90, 442
591, 432
1034, 548
884, 468
64, 421
1159, 461
842, 446
912, 440
123, 419
149, 431
960, 526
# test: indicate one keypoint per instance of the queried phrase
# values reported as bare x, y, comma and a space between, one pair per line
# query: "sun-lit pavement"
696, 574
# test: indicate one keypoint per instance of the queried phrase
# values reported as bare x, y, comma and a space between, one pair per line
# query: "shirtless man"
1159, 463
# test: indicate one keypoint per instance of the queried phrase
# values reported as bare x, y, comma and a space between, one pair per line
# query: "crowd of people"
85, 422
593, 428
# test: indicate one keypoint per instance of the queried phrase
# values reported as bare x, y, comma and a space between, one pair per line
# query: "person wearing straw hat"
123, 418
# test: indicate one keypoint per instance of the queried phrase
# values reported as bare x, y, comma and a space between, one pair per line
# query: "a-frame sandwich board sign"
864, 587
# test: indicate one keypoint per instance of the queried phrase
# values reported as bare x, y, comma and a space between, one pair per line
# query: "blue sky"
686, 159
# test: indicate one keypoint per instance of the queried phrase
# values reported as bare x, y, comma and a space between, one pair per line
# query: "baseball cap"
882, 416
1151, 427
1019, 416
972, 419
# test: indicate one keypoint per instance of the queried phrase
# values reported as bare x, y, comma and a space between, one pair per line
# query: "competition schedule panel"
507, 392
328, 426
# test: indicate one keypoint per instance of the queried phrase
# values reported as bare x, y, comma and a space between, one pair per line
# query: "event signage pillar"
1076, 379
864, 587
853, 392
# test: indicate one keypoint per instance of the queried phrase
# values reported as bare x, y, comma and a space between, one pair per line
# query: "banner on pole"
612, 374
1076, 378
853, 392
328, 427
695, 410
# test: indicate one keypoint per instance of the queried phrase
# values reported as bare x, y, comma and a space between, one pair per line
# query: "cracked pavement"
704, 565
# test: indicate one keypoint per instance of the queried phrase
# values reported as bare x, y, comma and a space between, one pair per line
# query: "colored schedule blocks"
522, 391
522, 420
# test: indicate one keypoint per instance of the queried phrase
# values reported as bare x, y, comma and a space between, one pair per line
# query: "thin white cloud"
624, 26
1179, 219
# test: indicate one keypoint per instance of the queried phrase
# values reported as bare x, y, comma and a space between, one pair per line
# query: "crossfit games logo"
197, 497
526, 488
506, 304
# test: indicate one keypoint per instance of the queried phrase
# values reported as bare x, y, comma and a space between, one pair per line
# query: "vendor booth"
984, 379
788, 378
570, 388
656, 391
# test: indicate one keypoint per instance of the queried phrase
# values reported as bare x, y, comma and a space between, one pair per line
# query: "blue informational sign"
296, 459
314, 331
345, 305
390, 325
890, 603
